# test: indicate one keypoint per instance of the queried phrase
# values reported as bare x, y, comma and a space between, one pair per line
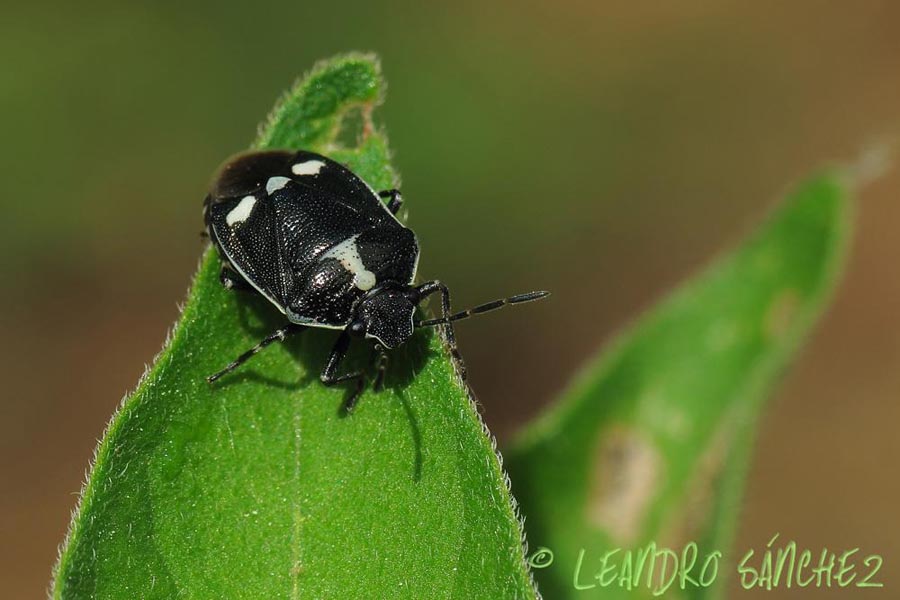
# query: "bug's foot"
359, 383
231, 280
350, 403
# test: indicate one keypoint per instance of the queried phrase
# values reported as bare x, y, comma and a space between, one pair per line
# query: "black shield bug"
321, 245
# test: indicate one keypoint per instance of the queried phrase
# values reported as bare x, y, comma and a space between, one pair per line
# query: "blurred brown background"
599, 150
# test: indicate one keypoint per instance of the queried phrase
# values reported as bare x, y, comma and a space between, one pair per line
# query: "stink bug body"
317, 242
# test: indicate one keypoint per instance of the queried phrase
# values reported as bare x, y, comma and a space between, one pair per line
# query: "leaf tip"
873, 162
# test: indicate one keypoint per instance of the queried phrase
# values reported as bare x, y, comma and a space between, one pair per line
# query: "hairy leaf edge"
187, 309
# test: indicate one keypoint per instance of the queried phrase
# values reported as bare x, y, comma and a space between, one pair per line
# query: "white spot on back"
239, 213
309, 167
347, 253
276, 183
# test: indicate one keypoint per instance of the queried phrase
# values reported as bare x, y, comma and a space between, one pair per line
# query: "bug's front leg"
381, 363
431, 287
395, 202
329, 374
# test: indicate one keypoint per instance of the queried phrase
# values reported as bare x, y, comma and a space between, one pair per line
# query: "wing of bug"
329, 177
244, 229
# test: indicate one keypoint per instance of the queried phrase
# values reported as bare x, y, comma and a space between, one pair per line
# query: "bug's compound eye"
357, 328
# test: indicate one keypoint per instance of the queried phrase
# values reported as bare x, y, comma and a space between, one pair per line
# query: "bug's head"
386, 315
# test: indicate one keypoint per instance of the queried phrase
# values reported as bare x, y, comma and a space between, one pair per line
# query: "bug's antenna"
483, 308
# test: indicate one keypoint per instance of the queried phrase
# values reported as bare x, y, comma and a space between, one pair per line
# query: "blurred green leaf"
257, 487
651, 443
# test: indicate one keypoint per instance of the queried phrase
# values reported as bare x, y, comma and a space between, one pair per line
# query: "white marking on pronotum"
347, 253
239, 213
309, 167
276, 183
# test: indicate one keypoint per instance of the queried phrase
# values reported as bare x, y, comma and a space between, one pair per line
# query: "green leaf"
258, 487
651, 443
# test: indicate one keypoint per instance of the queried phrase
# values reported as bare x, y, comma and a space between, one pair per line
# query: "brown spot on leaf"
626, 477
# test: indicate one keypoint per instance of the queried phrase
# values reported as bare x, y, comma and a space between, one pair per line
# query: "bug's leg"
278, 335
232, 280
381, 363
395, 202
430, 287
329, 374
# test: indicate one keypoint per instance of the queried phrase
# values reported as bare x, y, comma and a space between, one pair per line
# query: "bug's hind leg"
395, 202
279, 335
330, 377
232, 280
